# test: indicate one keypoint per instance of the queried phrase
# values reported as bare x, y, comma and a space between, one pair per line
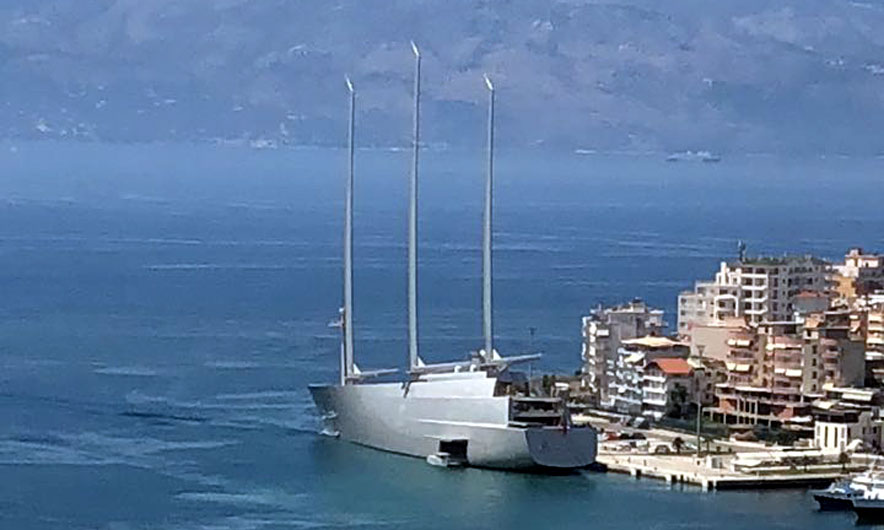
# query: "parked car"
640, 422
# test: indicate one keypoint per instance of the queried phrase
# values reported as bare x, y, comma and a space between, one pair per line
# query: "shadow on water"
409, 486
480, 498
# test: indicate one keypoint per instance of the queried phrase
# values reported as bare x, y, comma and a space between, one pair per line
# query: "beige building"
710, 340
872, 324
860, 275
776, 370
756, 289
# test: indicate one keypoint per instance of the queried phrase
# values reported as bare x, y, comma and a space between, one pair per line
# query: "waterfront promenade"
724, 467
684, 469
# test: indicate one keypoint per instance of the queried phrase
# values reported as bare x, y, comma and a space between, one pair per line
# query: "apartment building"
873, 327
710, 340
860, 275
775, 371
834, 343
849, 415
626, 389
837, 430
751, 405
662, 377
756, 289
604, 330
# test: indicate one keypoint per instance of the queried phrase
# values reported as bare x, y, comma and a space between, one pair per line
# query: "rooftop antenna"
486, 244
413, 358
347, 320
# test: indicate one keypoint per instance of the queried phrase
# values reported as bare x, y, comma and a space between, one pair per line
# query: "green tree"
678, 400
843, 459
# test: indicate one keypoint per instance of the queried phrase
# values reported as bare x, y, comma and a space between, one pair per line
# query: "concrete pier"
688, 470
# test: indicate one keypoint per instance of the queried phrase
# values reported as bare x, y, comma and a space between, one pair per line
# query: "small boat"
444, 460
838, 496
869, 503
693, 156
869, 507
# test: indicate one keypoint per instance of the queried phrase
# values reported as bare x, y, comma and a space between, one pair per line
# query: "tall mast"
486, 243
412, 218
347, 320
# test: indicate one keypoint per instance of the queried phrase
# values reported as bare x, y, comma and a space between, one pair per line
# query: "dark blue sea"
163, 308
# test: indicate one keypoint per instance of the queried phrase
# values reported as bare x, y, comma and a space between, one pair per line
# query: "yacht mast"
347, 320
413, 359
486, 243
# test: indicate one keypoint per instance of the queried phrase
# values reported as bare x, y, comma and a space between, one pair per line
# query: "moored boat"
837, 497
869, 503
476, 412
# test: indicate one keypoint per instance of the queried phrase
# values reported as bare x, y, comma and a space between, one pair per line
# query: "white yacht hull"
412, 419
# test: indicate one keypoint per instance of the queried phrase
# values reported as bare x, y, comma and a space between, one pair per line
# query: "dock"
684, 469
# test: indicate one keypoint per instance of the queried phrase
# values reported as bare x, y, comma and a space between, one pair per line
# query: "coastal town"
772, 377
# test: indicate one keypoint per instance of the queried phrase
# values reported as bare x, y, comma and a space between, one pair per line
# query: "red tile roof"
673, 366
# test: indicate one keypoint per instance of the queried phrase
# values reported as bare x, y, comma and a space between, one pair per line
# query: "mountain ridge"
770, 76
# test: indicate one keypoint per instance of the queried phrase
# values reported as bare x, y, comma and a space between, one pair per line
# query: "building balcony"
787, 361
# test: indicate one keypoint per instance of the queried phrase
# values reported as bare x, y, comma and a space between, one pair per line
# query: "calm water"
162, 310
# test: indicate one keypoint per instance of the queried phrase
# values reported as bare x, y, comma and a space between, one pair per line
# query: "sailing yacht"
477, 412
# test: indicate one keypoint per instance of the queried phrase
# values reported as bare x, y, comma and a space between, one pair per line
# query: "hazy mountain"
806, 75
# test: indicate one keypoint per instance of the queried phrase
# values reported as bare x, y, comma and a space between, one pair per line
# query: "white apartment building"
756, 289
660, 377
604, 330
837, 429
626, 388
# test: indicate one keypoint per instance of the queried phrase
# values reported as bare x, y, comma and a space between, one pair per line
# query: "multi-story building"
708, 373
625, 391
873, 327
860, 275
745, 360
775, 371
757, 289
663, 377
846, 415
834, 350
751, 405
710, 340
603, 332
838, 428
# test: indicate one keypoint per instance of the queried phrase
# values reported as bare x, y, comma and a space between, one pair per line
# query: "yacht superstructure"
478, 411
